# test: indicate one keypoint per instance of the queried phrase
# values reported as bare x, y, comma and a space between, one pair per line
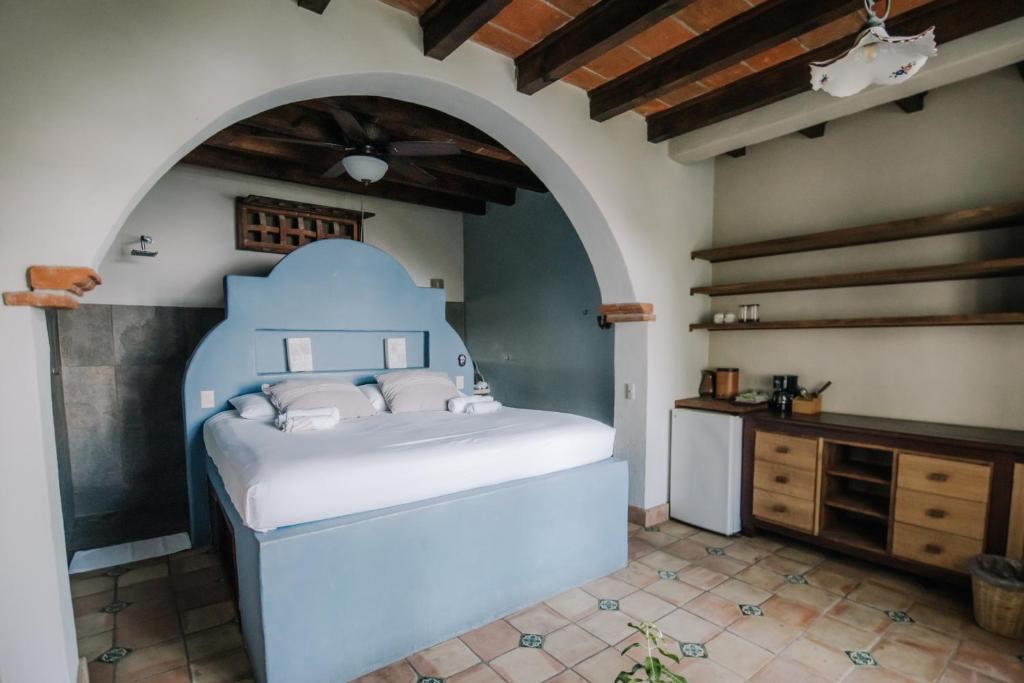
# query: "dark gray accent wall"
531, 307
120, 371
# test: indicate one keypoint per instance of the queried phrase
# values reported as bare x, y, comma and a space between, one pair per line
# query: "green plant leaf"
671, 656
674, 678
630, 647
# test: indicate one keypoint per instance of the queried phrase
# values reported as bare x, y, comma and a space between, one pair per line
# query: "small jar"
727, 383
753, 313
744, 312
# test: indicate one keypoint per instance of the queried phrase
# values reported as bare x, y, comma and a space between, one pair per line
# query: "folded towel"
459, 403
310, 420
483, 408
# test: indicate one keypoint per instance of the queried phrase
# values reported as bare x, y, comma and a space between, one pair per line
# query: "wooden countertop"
720, 406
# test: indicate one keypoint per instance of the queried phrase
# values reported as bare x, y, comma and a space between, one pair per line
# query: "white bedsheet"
277, 479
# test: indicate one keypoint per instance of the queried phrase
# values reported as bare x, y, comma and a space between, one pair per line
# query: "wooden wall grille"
280, 226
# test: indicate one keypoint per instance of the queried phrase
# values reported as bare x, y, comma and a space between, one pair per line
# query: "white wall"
101, 99
965, 149
190, 213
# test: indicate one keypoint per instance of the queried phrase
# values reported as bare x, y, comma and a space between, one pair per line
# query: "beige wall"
965, 149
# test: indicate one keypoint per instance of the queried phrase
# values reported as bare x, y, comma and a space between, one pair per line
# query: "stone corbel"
49, 286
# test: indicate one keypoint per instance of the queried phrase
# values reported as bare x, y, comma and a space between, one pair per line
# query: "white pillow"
253, 406
309, 394
413, 391
372, 392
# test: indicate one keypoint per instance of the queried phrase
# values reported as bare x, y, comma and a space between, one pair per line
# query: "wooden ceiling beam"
757, 29
317, 6
486, 169
447, 24
226, 160
316, 161
597, 30
952, 18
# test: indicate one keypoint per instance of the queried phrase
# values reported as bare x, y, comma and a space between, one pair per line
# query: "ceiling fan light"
365, 168
875, 59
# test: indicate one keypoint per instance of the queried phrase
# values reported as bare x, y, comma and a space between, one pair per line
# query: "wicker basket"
998, 584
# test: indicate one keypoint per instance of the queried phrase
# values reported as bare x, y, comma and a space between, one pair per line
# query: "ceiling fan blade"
423, 148
410, 171
350, 126
300, 141
336, 170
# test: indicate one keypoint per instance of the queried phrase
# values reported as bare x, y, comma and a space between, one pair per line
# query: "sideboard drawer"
771, 476
945, 477
787, 450
787, 510
934, 547
941, 513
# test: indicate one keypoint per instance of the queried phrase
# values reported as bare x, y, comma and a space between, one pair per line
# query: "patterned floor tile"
496, 638
444, 660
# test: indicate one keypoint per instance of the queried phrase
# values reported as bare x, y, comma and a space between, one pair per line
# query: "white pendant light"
365, 168
875, 58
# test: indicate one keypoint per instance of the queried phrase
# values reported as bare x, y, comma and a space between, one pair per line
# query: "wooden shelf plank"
897, 321
967, 220
862, 505
954, 271
875, 475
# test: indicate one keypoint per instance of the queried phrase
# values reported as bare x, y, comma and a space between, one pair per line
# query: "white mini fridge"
705, 469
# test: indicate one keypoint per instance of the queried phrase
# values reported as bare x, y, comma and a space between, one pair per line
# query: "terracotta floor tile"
818, 598
539, 619
609, 589
100, 672
989, 662
715, 609
91, 624
149, 661
943, 620
81, 587
761, 578
768, 632
135, 635
781, 670
181, 675
831, 581
202, 618
213, 641
496, 638
526, 665
996, 642
794, 613
138, 612
574, 604
444, 660
92, 647
637, 574
881, 597
677, 529
645, 606
637, 548
611, 627
707, 538
855, 569
663, 560
202, 595
199, 577
768, 542
740, 592
900, 583
399, 672
92, 603
604, 666
699, 670
737, 655
958, 674
829, 631
869, 674
829, 662
192, 562
909, 659
745, 551
655, 538
224, 668
567, 676
722, 564
702, 578
928, 639
860, 616
143, 573
155, 589
686, 627
673, 591
481, 673
783, 565
802, 554
687, 550
571, 645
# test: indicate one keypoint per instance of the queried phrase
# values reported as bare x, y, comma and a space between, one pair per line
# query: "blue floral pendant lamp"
875, 58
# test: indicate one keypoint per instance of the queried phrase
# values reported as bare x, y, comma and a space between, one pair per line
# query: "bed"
360, 545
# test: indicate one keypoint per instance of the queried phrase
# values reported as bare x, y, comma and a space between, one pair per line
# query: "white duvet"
277, 479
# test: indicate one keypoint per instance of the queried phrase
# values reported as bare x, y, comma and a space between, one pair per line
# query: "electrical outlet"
630, 391
207, 398
460, 382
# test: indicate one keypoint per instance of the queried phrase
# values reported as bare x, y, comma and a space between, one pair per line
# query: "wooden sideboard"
919, 496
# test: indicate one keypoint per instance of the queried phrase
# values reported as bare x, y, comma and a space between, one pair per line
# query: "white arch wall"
100, 98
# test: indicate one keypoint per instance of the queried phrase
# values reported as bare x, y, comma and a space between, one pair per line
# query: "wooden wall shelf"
967, 220
898, 321
955, 271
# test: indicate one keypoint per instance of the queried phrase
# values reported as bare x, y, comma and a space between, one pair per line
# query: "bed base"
336, 599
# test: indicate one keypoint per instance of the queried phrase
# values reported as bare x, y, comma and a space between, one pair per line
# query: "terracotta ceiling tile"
573, 7
687, 92
501, 41
661, 37
776, 55
840, 28
652, 107
900, 6
415, 7
705, 14
585, 78
616, 62
530, 19
726, 76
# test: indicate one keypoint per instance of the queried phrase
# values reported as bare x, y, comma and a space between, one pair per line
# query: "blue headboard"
347, 297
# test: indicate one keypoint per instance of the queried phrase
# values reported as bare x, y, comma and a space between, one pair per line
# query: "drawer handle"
781, 479
938, 476
782, 449
935, 513
933, 549
778, 507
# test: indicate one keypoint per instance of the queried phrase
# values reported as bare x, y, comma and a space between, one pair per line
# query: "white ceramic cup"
730, 318
719, 318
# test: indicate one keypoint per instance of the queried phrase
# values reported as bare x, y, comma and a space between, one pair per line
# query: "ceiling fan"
369, 153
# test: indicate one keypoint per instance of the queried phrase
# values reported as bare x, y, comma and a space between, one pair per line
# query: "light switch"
460, 382
207, 398
630, 391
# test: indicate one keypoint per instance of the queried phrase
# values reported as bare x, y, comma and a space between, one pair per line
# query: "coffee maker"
784, 388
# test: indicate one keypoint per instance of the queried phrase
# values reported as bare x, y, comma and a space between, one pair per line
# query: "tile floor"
764, 609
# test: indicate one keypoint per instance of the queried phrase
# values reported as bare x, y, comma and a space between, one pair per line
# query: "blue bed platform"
331, 600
